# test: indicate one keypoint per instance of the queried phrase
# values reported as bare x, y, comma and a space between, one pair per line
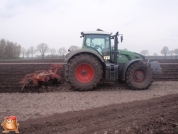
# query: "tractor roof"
96, 32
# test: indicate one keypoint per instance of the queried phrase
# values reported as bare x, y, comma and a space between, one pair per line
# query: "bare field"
34, 105
11, 74
108, 110
153, 116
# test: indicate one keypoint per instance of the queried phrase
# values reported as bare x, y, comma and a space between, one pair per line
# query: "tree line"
164, 51
43, 48
9, 50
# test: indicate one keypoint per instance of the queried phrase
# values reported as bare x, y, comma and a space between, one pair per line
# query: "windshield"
101, 43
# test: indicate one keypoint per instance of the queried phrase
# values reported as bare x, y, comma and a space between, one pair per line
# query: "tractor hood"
130, 54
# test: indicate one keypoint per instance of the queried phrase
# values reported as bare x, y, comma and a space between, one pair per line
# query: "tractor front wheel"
84, 72
139, 76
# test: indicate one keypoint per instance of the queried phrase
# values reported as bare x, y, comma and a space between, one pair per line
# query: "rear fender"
82, 51
122, 77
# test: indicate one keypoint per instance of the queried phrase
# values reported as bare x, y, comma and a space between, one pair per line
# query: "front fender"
82, 51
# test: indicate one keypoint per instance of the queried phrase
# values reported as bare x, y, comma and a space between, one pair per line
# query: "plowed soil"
154, 116
170, 72
11, 74
107, 110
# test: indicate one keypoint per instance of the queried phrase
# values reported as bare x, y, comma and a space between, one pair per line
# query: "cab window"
98, 42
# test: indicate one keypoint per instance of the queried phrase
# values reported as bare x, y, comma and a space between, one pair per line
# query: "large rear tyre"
139, 76
84, 72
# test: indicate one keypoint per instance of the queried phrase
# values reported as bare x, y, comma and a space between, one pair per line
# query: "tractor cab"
100, 41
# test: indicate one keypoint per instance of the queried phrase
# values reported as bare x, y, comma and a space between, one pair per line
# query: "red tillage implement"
43, 77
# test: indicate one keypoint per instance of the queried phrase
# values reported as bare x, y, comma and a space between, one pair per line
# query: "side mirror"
121, 38
82, 35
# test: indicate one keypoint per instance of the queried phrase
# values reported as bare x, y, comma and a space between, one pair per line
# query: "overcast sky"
145, 24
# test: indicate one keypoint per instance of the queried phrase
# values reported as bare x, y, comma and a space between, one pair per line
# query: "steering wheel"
98, 46
92, 45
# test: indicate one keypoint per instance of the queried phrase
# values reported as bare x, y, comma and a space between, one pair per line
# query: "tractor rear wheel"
139, 76
84, 72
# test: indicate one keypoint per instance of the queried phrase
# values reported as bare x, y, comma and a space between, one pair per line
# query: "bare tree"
23, 52
165, 51
27, 53
9, 49
16, 50
73, 48
32, 51
155, 54
62, 51
52, 51
144, 52
171, 52
42, 48
176, 52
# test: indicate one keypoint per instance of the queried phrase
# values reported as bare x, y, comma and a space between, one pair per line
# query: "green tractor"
98, 61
